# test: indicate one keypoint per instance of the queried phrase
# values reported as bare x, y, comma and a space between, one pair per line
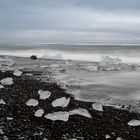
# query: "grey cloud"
69, 21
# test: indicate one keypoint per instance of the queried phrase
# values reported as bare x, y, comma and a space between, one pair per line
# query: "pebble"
32, 102
39, 113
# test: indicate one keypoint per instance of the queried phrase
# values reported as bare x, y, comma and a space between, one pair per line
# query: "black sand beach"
17, 120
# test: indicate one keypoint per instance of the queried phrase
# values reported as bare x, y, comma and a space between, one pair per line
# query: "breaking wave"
91, 56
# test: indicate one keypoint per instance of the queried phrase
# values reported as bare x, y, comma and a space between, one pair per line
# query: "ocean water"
91, 53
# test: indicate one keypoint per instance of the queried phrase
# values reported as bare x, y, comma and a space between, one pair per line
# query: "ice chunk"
107, 136
1, 86
60, 102
80, 111
134, 123
97, 106
90, 68
110, 60
32, 102
119, 138
29, 74
7, 61
17, 73
54, 66
39, 113
67, 102
2, 102
62, 116
9, 118
5, 138
1, 132
44, 94
7, 81
109, 67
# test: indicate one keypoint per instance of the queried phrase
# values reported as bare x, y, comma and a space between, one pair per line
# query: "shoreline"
18, 121
64, 73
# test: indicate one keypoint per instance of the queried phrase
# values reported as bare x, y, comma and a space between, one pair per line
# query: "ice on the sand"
1, 132
119, 138
1, 86
61, 115
80, 111
44, 94
97, 106
61, 102
111, 60
32, 102
67, 102
107, 136
9, 118
134, 123
2, 102
17, 73
7, 81
5, 138
29, 74
39, 113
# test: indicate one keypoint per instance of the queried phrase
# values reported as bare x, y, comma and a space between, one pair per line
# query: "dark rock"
33, 57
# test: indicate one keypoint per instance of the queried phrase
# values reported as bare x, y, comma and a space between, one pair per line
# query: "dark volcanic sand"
25, 126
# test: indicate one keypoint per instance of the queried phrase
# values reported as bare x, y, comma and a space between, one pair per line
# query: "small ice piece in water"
134, 123
17, 73
44, 94
1, 86
2, 102
44, 66
60, 102
80, 111
97, 106
91, 68
54, 65
62, 116
7, 81
32, 102
110, 60
39, 113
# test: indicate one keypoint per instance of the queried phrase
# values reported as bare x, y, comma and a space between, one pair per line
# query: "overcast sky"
70, 21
